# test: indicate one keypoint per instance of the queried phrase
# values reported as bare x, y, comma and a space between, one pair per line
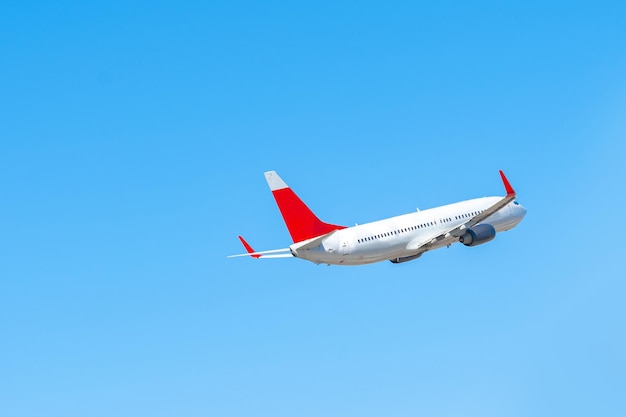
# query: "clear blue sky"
133, 141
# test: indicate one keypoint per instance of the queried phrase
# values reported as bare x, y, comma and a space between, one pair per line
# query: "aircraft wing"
458, 231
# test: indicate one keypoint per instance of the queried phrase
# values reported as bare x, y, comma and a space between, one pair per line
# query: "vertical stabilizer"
301, 222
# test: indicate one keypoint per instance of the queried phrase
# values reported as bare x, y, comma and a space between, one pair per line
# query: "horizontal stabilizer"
282, 255
276, 253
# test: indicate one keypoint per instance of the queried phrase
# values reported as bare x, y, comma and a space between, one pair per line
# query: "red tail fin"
301, 222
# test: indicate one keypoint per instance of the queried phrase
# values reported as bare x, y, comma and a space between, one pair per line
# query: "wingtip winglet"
248, 247
510, 192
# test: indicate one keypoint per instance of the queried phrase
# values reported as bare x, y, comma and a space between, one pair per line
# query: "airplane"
397, 239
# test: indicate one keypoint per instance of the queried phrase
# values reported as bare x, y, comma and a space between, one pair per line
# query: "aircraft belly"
360, 256
373, 253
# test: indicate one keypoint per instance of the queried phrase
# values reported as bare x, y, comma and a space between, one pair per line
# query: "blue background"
133, 141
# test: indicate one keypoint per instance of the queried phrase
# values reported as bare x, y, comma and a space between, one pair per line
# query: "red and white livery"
396, 239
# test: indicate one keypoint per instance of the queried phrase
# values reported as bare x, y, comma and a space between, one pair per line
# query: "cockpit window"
516, 203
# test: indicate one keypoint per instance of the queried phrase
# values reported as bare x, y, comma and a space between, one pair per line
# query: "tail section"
301, 222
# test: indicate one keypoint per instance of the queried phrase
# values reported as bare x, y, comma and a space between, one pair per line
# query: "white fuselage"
396, 237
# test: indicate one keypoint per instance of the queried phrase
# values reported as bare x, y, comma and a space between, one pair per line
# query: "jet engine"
478, 235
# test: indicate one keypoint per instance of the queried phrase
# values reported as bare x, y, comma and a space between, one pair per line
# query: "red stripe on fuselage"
301, 222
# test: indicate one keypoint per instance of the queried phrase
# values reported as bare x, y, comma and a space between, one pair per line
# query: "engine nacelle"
478, 235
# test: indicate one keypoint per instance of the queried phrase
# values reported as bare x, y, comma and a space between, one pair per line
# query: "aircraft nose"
521, 210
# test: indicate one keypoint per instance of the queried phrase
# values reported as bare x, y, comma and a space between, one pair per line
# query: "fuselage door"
344, 247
